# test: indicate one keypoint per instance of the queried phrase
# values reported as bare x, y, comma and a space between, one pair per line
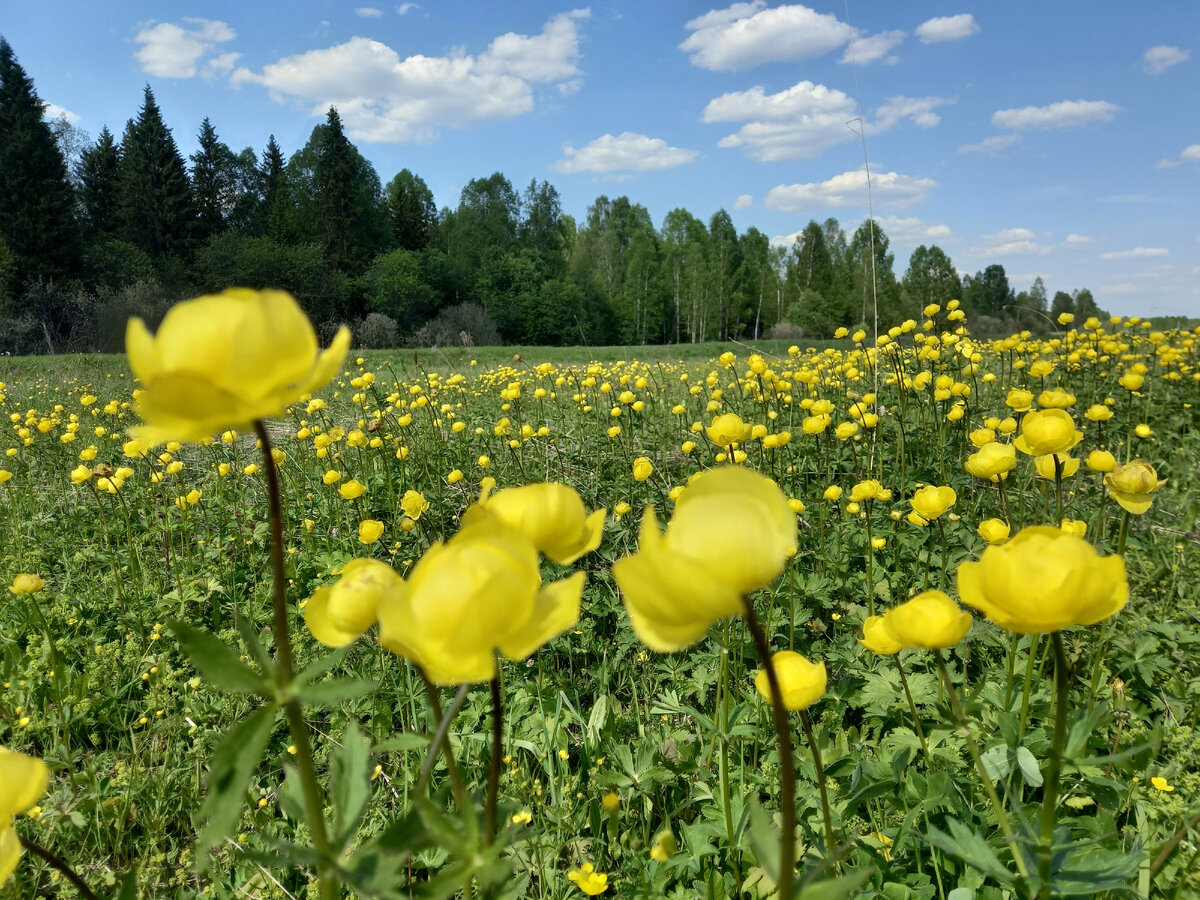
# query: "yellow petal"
328, 362
555, 610
141, 350
1134, 503
23, 780
10, 850
321, 623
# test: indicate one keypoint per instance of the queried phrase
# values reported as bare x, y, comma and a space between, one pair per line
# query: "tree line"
92, 232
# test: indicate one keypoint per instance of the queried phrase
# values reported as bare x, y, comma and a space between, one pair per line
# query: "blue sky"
1060, 139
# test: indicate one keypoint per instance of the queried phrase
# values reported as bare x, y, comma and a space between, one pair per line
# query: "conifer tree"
37, 205
277, 214
97, 173
154, 198
212, 182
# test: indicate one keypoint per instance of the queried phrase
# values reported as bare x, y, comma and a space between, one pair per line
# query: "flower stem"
314, 803
816, 755
1062, 687
493, 782
61, 864
972, 747
912, 708
787, 764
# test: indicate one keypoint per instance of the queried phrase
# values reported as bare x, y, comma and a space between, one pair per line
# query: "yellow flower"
80, 474
226, 359
1019, 400
878, 639
1143, 430
833, 493
478, 592
455, 476
994, 531
1132, 484
1101, 461
930, 501
588, 880
731, 533
23, 779
611, 802
642, 468
992, 461
1046, 432
333, 476
369, 531
552, 517
866, 490
414, 503
337, 614
802, 682
1045, 465
352, 489
728, 429
1044, 580
929, 621
1077, 527
27, 584
1161, 784
664, 846
1132, 381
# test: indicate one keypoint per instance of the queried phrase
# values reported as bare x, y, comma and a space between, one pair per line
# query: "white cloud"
405, 8
889, 189
172, 51
1158, 59
1191, 153
743, 201
368, 12
746, 34
1076, 240
912, 230
863, 50
382, 97
1012, 242
1135, 252
993, 144
627, 152
786, 240
1064, 114
221, 64
52, 112
807, 119
947, 28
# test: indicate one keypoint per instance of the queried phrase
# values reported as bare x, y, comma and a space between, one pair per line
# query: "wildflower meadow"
907, 615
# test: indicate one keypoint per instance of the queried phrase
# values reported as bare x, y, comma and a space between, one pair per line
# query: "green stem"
493, 782
912, 708
314, 803
59, 863
1062, 686
973, 748
1124, 533
787, 764
816, 755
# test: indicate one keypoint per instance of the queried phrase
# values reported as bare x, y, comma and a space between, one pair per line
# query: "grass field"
1056, 763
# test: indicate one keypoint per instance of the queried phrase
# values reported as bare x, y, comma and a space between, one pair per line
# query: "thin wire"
862, 134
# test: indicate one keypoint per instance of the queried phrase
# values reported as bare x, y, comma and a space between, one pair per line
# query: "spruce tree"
37, 205
97, 172
276, 219
335, 195
154, 198
212, 182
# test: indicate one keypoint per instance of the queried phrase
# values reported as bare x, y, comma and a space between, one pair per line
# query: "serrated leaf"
217, 662
229, 773
349, 783
970, 847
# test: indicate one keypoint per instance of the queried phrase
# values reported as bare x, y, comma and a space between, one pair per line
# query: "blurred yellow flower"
26, 583
369, 531
802, 682
587, 879
336, 615
226, 359
878, 639
1161, 784
23, 779
552, 516
929, 621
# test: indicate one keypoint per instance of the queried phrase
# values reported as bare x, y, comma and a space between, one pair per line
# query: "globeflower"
1044, 580
586, 878
994, 531
878, 639
369, 531
226, 360
642, 468
337, 615
477, 593
801, 682
728, 429
1045, 465
27, 584
992, 461
680, 582
930, 501
552, 516
929, 621
414, 503
23, 779
1132, 484
1048, 431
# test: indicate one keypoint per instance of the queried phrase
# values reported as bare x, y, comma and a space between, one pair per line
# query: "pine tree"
277, 207
335, 194
37, 206
97, 172
212, 182
154, 198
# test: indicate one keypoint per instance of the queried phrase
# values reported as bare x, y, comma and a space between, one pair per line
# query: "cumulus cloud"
1012, 242
1135, 253
1064, 114
746, 34
405, 8
385, 98
1076, 240
912, 230
173, 51
863, 50
743, 201
947, 28
993, 144
1158, 59
807, 119
889, 189
1189, 154
627, 152
52, 112
368, 12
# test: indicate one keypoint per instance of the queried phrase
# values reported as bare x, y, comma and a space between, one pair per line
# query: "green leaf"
128, 890
336, 690
996, 762
229, 773
291, 795
1029, 767
217, 662
970, 847
321, 665
349, 783
835, 888
764, 840
1082, 729
404, 741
